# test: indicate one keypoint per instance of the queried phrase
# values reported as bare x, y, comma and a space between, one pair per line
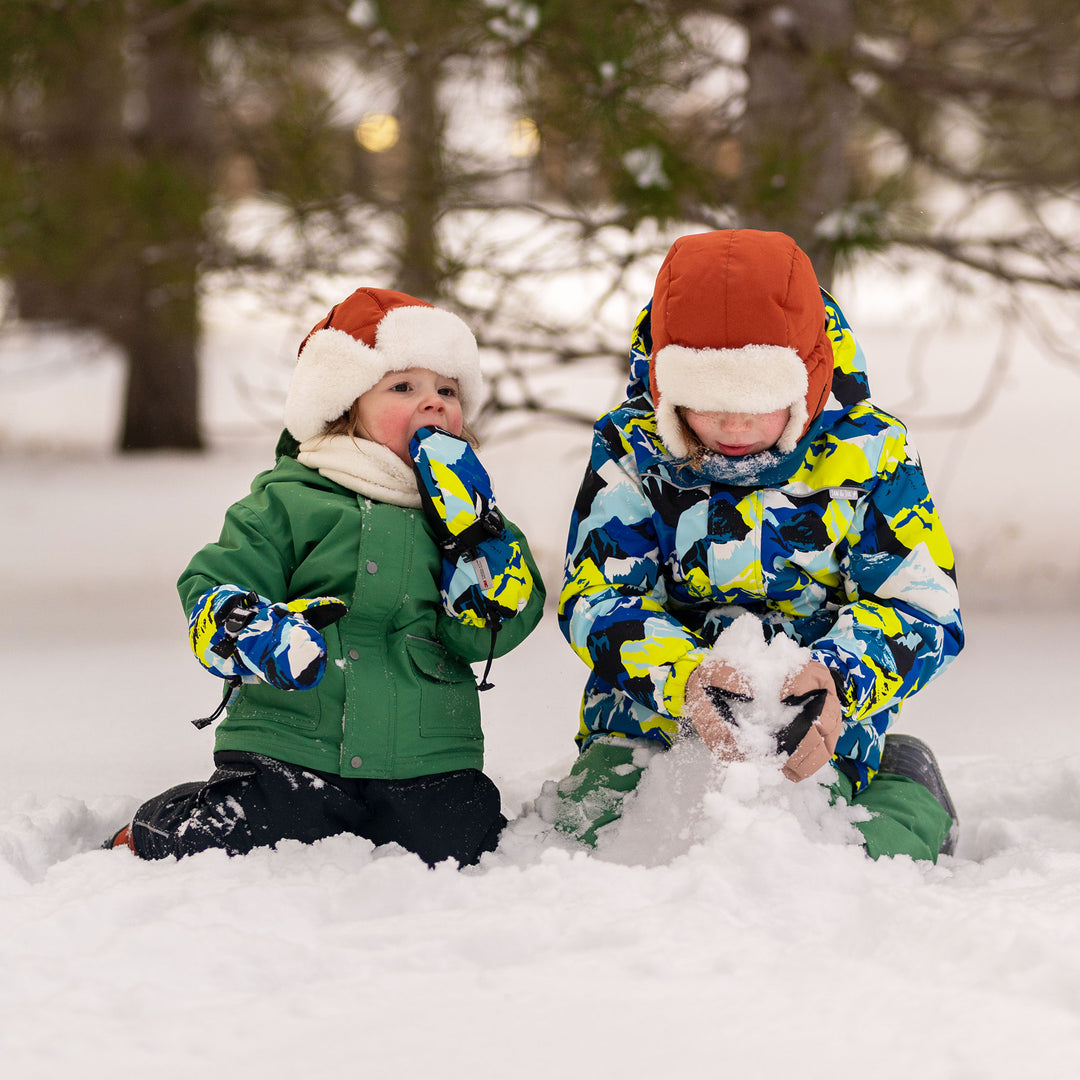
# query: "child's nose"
433, 401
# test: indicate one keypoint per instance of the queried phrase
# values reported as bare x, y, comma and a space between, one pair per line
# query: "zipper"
427, 641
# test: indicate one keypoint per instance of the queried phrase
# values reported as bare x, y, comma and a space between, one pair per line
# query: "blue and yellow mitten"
485, 578
243, 637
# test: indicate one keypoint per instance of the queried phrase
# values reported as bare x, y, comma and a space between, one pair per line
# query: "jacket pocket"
295, 709
449, 705
302, 710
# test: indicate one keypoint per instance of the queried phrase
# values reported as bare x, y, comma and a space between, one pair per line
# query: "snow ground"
756, 940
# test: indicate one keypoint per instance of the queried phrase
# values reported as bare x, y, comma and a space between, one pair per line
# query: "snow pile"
766, 666
730, 921
764, 943
686, 798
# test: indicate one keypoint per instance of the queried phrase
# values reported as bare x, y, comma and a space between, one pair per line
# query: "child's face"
737, 434
402, 401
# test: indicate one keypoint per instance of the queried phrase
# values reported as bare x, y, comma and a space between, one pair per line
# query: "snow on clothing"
254, 801
904, 816
398, 698
835, 543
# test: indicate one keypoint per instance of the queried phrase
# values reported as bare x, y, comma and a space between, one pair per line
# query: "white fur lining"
430, 338
363, 466
753, 379
334, 368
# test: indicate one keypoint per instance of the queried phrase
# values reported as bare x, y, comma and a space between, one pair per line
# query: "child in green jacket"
345, 600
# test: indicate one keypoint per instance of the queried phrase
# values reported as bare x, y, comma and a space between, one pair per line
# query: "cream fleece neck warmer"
360, 465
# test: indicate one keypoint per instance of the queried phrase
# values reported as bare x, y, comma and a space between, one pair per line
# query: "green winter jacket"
398, 698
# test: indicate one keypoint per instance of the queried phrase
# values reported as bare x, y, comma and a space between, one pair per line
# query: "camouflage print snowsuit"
836, 544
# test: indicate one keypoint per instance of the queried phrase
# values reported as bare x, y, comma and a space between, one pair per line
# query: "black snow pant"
254, 801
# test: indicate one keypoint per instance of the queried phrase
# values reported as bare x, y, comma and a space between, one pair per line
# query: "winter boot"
122, 838
904, 755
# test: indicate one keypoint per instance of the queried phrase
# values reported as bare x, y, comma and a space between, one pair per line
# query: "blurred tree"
850, 124
797, 132
105, 173
975, 103
112, 138
127, 127
420, 44
937, 128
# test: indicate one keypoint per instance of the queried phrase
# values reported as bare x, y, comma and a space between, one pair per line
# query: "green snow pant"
906, 819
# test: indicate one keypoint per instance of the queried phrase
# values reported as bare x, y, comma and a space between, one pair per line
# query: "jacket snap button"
372, 567
353, 654
356, 762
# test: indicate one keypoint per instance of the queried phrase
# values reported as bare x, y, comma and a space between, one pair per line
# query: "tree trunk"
65, 264
799, 110
161, 408
420, 272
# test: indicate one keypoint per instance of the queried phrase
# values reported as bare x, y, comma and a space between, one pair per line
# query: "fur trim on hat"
335, 366
753, 379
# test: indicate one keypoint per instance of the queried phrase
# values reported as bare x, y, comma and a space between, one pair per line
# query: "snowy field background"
733, 928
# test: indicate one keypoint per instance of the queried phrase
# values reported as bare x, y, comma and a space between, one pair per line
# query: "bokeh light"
378, 132
524, 138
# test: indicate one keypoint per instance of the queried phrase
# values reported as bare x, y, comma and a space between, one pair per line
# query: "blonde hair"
697, 451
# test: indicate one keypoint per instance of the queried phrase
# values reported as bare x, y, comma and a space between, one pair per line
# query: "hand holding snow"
756, 676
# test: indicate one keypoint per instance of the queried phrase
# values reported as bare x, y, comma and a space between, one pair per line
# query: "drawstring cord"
233, 617
206, 721
494, 624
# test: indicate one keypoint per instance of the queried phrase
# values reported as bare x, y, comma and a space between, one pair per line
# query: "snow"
730, 924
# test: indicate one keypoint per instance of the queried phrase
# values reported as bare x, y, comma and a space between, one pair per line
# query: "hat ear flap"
333, 368
820, 370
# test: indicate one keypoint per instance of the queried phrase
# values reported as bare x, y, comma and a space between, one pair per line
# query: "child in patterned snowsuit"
748, 472
345, 612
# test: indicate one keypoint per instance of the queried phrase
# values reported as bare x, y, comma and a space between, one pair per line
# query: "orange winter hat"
370, 333
738, 325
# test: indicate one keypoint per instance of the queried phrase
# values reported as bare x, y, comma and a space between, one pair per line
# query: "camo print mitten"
237, 634
485, 577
